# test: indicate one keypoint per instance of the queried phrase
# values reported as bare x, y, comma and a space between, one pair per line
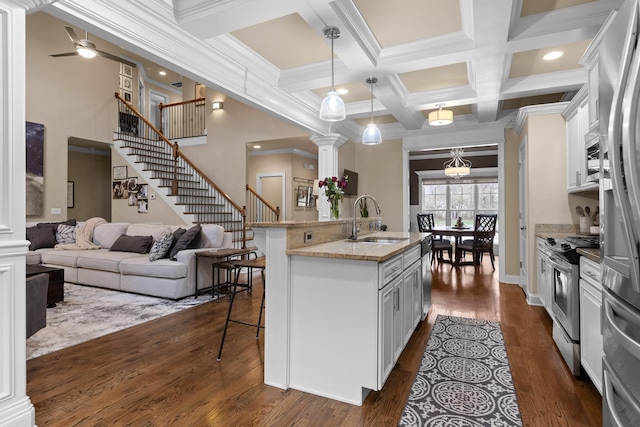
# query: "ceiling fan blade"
65, 54
115, 58
72, 35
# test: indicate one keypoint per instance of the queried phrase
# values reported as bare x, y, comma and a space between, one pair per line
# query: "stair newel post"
174, 184
244, 227
161, 108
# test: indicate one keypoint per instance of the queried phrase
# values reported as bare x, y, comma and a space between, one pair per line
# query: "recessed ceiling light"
163, 73
256, 146
342, 91
552, 55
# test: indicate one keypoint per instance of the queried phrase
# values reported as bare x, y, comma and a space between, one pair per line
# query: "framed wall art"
119, 172
70, 194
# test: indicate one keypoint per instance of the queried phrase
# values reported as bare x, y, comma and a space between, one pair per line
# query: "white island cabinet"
350, 321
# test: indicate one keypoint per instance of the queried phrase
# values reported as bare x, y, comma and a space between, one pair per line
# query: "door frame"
523, 208
283, 204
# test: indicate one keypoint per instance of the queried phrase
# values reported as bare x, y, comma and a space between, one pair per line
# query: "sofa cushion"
137, 244
154, 231
177, 233
64, 258
105, 260
105, 234
44, 237
161, 246
188, 240
211, 236
66, 234
164, 268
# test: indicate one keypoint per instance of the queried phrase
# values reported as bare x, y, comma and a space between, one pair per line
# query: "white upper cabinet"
577, 117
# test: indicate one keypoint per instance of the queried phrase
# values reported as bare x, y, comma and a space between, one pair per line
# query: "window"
450, 200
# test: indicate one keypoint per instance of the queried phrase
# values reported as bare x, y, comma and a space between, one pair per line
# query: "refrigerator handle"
631, 345
630, 155
612, 388
614, 142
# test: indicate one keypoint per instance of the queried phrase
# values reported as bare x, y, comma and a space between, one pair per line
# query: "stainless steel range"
565, 264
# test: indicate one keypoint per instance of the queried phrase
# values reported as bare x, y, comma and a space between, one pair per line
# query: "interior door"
522, 184
272, 188
155, 117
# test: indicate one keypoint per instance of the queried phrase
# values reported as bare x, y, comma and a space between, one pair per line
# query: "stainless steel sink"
381, 240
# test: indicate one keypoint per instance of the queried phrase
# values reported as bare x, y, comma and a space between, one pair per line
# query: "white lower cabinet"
591, 343
544, 275
399, 313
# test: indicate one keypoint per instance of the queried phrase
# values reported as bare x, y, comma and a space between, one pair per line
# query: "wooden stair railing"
191, 187
184, 119
260, 210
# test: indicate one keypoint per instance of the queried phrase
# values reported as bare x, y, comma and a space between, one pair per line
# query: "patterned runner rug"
464, 379
87, 313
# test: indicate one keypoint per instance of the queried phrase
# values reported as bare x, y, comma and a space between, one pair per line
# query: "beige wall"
90, 175
509, 233
379, 170
71, 96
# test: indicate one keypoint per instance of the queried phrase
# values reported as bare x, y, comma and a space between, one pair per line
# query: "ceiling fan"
87, 49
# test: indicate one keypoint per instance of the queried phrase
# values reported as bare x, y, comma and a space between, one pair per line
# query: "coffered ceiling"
483, 59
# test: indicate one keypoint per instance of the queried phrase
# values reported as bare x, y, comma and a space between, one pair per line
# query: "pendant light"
332, 108
440, 117
371, 134
457, 167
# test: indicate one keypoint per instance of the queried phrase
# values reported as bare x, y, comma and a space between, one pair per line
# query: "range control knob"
551, 241
565, 246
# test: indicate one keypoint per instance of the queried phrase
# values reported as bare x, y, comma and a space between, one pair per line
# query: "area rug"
87, 313
464, 379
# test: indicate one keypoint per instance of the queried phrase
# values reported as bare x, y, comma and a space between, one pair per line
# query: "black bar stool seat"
250, 265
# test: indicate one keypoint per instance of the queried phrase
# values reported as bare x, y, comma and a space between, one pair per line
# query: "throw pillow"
55, 225
66, 234
188, 240
137, 244
41, 237
161, 246
176, 236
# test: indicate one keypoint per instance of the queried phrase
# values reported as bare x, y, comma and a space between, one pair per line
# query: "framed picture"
70, 195
132, 185
120, 189
119, 172
143, 207
311, 199
132, 199
143, 191
201, 93
126, 70
126, 83
301, 196
126, 95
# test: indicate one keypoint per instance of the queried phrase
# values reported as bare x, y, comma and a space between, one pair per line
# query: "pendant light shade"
371, 134
332, 108
457, 167
440, 117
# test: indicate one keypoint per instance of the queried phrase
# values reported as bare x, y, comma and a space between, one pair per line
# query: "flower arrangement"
334, 190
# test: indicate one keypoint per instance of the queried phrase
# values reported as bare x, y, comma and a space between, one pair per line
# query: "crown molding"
537, 110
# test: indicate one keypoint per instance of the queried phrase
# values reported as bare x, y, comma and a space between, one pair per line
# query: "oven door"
565, 296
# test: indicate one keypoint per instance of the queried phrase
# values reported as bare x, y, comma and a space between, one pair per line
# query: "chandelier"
457, 166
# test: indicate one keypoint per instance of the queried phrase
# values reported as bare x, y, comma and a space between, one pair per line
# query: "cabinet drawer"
411, 256
590, 271
389, 270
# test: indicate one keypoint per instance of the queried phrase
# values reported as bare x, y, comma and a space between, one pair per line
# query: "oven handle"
560, 265
610, 306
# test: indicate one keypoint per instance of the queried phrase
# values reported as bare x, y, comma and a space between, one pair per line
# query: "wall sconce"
217, 105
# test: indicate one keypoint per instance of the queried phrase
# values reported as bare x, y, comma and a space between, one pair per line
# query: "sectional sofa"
132, 271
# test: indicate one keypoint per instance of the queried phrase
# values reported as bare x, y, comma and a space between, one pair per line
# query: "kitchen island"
343, 311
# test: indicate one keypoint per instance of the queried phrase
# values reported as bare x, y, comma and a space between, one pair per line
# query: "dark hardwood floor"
165, 373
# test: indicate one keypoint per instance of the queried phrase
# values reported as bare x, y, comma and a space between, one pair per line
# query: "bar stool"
250, 265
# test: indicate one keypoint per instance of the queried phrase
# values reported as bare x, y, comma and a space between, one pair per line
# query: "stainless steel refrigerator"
619, 130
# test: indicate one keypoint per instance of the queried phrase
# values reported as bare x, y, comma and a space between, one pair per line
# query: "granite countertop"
347, 249
592, 254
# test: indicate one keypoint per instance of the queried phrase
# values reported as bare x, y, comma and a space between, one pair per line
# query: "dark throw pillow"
137, 244
44, 237
55, 225
176, 236
161, 247
188, 240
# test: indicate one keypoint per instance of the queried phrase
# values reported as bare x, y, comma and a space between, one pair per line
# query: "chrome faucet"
354, 229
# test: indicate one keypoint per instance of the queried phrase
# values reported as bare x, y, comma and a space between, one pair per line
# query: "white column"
16, 409
328, 146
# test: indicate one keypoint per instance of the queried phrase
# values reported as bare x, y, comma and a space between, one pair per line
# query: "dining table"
458, 233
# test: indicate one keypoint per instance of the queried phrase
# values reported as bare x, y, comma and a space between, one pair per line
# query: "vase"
335, 209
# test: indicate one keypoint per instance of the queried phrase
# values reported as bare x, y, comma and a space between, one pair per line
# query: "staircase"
195, 198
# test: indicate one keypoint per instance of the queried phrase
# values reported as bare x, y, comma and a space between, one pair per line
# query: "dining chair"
483, 234
439, 244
